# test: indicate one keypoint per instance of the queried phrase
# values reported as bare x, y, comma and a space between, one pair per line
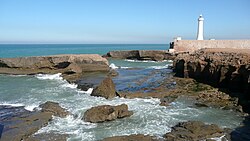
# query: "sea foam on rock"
106, 113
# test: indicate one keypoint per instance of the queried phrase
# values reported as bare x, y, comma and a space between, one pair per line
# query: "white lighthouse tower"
200, 28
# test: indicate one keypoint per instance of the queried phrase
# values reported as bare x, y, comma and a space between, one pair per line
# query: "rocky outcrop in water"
66, 64
106, 89
138, 137
222, 68
54, 108
194, 131
106, 113
20, 124
155, 55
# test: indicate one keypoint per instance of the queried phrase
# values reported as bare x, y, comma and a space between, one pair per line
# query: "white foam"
159, 67
26, 107
68, 85
89, 91
49, 76
13, 105
113, 66
146, 61
30, 107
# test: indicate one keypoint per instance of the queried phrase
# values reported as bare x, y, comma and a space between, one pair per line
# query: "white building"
200, 28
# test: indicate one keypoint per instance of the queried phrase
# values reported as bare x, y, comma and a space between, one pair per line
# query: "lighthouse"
200, 28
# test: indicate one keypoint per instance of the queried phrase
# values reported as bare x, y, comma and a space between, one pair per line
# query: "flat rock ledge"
154, 55
21, 124
67, 64
194, 131
106, 113
105, 89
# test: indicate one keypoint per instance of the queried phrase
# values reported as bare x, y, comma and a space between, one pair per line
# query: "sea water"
148, 118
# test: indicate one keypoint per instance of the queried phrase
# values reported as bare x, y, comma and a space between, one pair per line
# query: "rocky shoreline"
204, 65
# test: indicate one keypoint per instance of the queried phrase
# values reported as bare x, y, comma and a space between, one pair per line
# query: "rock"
217, 99
166, 100
155, 55
106, 89
113, 73
20, 124
106, 113
65, 64
54, 108
223, 68
47, 137
137, 137
193, 130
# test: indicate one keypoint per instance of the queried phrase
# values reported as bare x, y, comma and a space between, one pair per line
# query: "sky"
121, 21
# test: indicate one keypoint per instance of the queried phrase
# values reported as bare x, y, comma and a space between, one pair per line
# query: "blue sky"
120, 21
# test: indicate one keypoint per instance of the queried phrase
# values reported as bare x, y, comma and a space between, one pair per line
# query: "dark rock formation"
106, 113
155, 55
69, 65
223, 68
193, 131
106, 89
54, 108
20, 124
138, 137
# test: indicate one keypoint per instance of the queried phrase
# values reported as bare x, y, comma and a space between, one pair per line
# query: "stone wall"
192, 45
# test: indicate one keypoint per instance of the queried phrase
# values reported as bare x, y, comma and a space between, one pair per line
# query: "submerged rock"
138, 137
193, 131
54, 108
106, 113
106, 89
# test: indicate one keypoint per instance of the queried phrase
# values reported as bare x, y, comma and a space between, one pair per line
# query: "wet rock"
166, 100
20, 124
47, 137
193, 130
21, 127
138, 137
106, 113
113, 73
106, 89
54, 108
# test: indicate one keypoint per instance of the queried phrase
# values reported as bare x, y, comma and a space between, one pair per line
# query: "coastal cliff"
65, 64
223, 68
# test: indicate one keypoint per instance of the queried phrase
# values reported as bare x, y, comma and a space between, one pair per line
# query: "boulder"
137, 137
106, 113
193, 131
106, 89
54, 108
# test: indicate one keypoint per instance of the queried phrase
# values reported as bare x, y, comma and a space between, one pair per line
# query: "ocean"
149, 117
